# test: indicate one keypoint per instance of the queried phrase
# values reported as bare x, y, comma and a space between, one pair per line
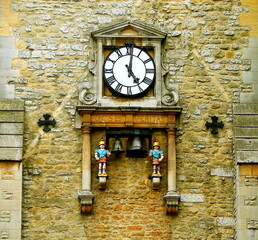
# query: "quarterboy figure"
157, 156
101, 155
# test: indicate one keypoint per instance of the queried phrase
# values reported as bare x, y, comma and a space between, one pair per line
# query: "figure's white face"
102, 146
156, 147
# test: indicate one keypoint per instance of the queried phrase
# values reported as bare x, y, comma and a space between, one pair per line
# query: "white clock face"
129, 71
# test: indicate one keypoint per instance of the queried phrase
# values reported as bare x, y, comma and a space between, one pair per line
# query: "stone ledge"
128, 109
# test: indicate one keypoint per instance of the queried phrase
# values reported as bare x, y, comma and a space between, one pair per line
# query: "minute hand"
129, 68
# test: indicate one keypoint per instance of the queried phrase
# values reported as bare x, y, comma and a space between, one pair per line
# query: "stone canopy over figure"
101, 155
157, 156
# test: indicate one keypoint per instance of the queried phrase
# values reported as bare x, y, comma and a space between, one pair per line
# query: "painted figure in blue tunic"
157, 156
101, 155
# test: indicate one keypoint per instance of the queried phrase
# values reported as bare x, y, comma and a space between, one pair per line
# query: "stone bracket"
102, 182
172, 201
155, 182
86, 199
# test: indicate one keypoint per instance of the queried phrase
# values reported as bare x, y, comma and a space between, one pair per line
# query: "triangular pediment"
129, 29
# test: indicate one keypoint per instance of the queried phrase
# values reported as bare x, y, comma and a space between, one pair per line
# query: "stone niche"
92, 89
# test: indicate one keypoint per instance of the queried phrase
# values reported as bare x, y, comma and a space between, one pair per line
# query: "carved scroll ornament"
171, 97
86, 96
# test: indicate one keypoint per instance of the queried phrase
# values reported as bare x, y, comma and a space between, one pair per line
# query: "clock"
129, 71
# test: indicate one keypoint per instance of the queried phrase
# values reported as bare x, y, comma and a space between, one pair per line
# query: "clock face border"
147, 78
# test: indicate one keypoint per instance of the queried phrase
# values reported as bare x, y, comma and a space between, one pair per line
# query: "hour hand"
129, 69
130, 73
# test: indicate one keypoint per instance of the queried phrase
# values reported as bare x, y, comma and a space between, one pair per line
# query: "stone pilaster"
86, 197
172, 197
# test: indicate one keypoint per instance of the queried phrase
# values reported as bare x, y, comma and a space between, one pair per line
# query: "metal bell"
136, 147
117, 147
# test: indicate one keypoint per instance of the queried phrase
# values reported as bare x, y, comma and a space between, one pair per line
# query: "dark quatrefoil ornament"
214, 125
46, 122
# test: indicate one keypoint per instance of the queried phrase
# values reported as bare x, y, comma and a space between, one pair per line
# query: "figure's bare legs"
154, 169
100, 168
104, 168
158, 169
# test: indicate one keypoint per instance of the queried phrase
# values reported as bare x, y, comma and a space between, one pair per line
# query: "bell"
136, 147
117, 147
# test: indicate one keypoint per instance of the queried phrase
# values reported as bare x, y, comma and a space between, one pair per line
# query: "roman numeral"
108, 70
119, 87
109, 59
129, 50
111, 80
118, 52
147, 60
149, 70
147, 81
129, 90
140, 89
139, 53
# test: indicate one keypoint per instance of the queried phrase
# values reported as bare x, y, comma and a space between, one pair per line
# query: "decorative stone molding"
172, 201
93, 64
141, 117
171, 97
86, 199
86, 96
163, 65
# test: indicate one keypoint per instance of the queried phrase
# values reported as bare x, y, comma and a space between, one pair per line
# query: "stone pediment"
129, 29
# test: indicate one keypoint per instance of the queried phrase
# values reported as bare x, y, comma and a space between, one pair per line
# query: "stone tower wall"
203, 56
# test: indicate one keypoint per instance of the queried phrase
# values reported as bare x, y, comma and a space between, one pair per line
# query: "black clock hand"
135, 79
130, 62
131, 58
129, 70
